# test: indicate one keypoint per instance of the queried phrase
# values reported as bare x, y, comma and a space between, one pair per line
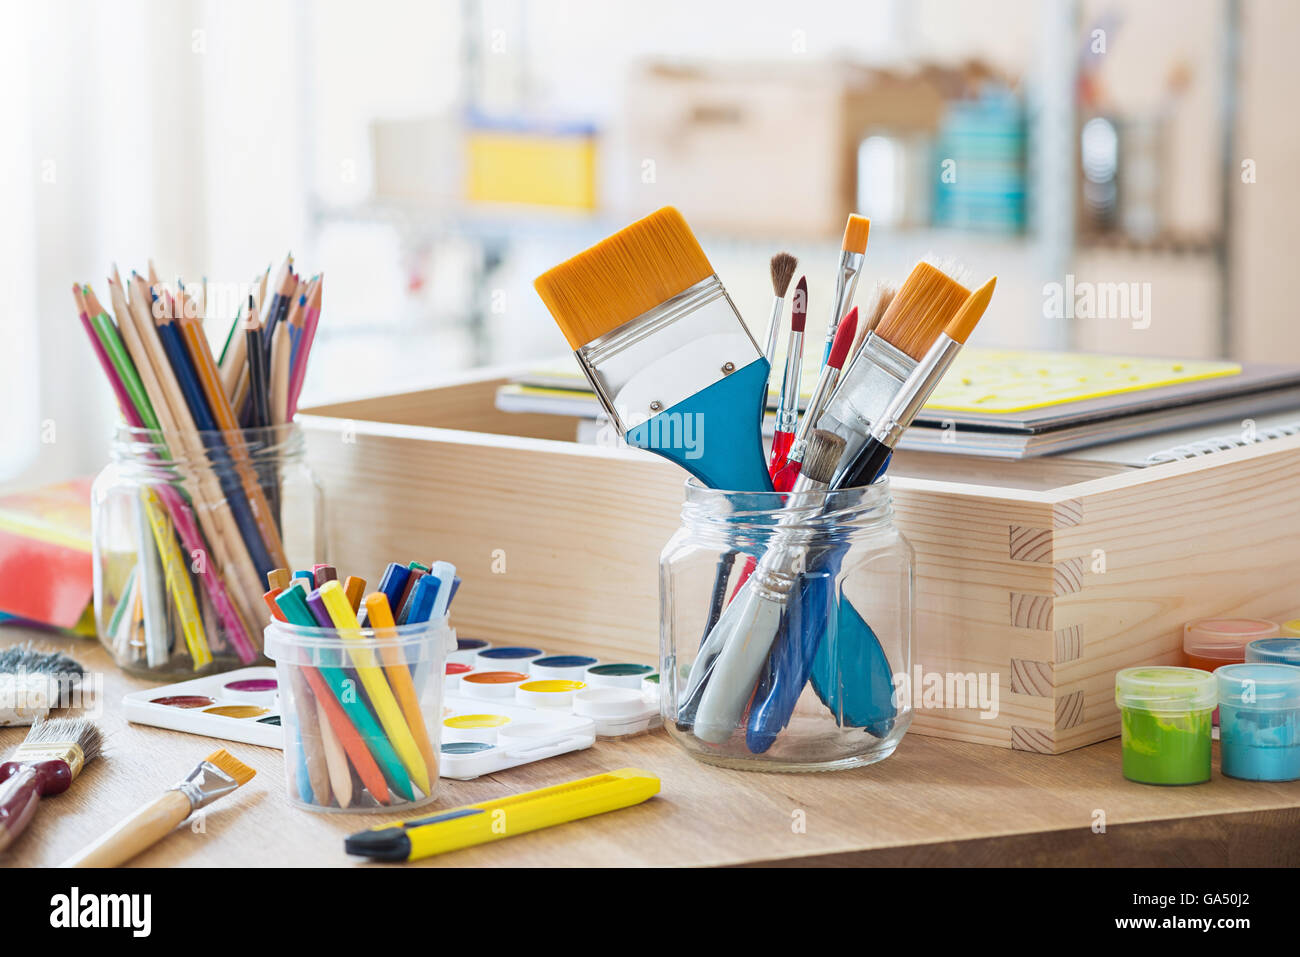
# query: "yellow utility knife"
505, 817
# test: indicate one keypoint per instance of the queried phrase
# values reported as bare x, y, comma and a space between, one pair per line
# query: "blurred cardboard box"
763, 148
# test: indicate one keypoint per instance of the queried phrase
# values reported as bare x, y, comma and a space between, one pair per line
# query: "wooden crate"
1049, 575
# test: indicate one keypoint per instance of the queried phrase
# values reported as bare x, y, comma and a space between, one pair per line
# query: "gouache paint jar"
1165, 723
1259, 708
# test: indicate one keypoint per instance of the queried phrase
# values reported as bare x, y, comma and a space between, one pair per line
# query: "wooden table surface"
934, 802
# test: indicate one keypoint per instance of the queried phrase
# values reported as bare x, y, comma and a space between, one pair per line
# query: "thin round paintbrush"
784, 479
853, 248
215, 776
46, 763
782, 270
787, 413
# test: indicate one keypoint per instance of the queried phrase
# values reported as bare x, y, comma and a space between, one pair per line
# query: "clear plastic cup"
361, 711
1165, 723
1259, 707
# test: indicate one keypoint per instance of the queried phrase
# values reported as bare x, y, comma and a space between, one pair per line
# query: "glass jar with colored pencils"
785, 628
186, 526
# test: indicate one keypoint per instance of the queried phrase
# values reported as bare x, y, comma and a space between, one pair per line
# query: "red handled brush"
45, 764
783, 480
787, 413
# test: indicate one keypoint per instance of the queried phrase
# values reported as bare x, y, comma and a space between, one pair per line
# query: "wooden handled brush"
215, 776
45, 764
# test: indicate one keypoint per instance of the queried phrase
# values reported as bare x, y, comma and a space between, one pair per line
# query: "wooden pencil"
205, 368
280, 351
214, 513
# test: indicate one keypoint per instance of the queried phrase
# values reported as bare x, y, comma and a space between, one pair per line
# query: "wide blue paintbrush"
665, 350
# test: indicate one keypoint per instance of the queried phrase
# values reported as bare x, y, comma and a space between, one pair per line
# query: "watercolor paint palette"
480, 737
620, 698
238, 705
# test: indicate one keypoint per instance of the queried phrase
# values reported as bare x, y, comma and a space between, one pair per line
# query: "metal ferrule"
846, 284
825, 386
205, 784
787, 414
656, 360
912, 397
866, 389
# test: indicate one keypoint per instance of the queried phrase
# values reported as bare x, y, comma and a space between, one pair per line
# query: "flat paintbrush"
665, 351
34, 682
46, 763
214, 777
924, 304
870, 460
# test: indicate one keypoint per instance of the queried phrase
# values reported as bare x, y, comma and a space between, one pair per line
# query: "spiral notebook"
1019, 404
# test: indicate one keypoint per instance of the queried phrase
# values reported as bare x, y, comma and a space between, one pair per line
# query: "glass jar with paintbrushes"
185, 529
786, 661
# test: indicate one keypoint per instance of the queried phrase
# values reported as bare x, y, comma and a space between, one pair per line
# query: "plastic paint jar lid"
608, 703
1259, 686
1291, 628
514, 656
1280, 651
491, 684
473, 727
570, 667
617, 675
1225, 639
547, 693
1166, 689
454, 672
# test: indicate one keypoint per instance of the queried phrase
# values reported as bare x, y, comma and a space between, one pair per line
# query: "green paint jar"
1165, 721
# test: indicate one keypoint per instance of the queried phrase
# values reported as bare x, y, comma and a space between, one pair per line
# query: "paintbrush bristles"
622, 277
84, 733
24, 659
231, 766
881, 297
822, 456
923, 306
783, 267
799, 307
855, 234
963, 324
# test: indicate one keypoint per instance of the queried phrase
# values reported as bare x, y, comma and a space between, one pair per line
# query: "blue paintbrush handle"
700, 434
842, 655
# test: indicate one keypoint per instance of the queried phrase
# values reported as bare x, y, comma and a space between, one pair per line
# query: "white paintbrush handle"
747, 637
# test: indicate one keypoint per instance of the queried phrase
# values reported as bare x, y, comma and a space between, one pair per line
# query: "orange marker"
380, 617
354, 588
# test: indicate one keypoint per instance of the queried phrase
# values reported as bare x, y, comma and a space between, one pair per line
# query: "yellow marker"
178, 581
380, 618
486, 821
372, 677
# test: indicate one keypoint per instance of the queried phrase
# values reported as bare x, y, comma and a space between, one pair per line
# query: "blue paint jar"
1278, 651
1259, 721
